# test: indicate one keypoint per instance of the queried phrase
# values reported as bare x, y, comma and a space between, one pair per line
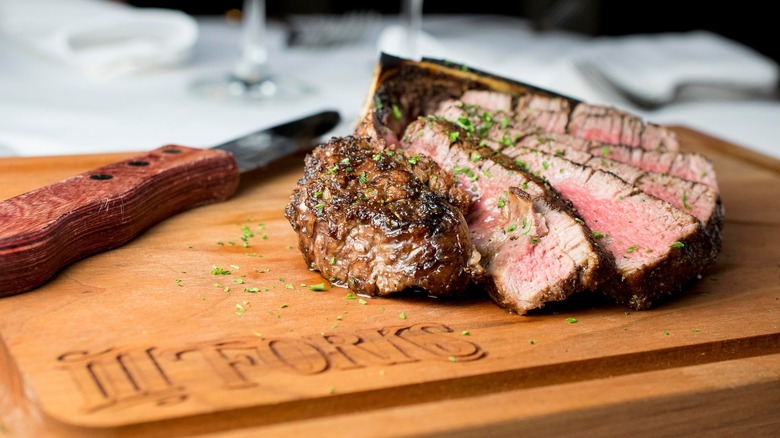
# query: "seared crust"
379, 221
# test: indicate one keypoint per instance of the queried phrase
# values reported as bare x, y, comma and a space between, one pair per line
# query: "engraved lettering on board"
116, 377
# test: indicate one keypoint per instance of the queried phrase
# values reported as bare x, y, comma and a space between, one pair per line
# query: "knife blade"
49, 228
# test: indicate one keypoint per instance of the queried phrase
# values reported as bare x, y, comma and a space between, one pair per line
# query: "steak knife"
44, 230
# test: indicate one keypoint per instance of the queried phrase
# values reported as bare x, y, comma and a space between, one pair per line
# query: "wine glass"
411, 13
251, 77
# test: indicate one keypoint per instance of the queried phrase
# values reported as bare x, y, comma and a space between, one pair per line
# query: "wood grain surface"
154, 339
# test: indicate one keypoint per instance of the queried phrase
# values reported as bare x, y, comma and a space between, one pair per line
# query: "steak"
555, 114
510, 128
697, 199
657, 247
378, 221
533, 247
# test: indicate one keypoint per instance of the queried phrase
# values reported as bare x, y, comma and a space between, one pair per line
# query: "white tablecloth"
50, 108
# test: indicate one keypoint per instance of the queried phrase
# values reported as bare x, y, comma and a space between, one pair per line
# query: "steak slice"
549, 114
555, 114
612, 126
533, 247
378, 221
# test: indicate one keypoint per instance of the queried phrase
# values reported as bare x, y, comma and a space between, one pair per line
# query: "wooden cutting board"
147, 341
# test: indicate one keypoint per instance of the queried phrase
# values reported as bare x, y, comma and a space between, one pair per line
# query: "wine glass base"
232, 87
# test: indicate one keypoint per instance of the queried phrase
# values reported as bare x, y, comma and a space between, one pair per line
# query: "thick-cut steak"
379, 221
533, 247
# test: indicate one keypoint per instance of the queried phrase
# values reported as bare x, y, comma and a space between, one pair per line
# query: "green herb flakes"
632, 248
465, 333
501, 202
362, 301
684, 199
238, 280
571, 320
317, 287
396, 112
453, 136
676, 245
218, 270
350, 296
402, 315
511, 228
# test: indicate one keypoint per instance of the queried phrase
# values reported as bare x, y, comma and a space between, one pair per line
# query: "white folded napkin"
652, 66
105, 39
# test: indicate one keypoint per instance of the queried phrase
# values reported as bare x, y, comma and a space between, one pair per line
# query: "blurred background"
96, 76
748, 22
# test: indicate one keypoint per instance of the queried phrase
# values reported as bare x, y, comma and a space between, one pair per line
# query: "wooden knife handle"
49, 228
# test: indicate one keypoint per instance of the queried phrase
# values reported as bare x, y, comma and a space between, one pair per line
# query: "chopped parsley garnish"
350, 296
506, 141
414, 159
453, 136
475, 156
362, 301
632, 248
465, 123
597, 235
252, 290
319, 207
332, 170
501, 202
534, 240
317, 194
511, 228
465, 333
378, 103
504, 122
676, 245
217, 270
396, 112
571, 320
605, 150
579, 221
377, 156
546, 165
402, 315
684, 199
317, 287
344, 161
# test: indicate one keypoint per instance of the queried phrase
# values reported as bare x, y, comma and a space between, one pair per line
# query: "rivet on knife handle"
49, 228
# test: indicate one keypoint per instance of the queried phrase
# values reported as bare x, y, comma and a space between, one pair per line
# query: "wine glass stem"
252, 67
412, 13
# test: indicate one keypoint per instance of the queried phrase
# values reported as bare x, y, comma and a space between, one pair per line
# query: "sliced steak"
612, 126
488, 100
686, 165
533, 247
379, 221
657, 247
549, 114
554, 114
508, 129
700, 200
